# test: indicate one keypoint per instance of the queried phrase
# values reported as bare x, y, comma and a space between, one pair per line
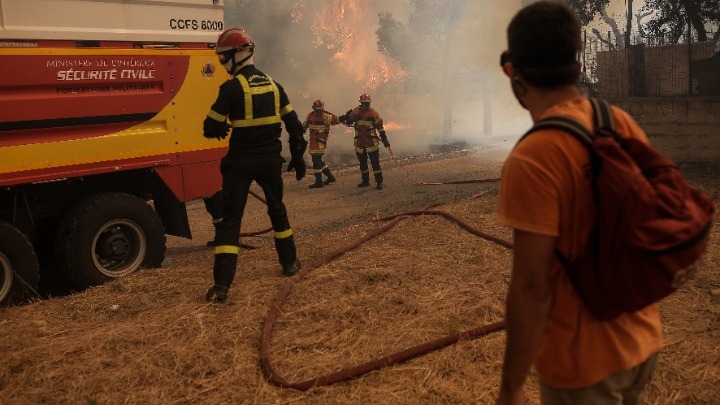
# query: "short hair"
544, 41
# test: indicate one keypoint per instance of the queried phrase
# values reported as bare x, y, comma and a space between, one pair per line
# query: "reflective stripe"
217, 221
248, 93
369, 149
315, 127
288, 108
365, 123
377, 171
215, 116
284, 234
227, 249
255, 122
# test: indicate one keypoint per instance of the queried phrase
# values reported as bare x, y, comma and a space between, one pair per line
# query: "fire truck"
101, 141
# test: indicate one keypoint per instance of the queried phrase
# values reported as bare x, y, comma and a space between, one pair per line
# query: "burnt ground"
151, 337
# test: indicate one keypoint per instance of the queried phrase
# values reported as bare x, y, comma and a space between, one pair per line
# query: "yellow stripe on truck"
177, 128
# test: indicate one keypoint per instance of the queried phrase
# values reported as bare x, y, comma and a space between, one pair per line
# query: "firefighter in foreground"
318, 121
367, 123
255, 105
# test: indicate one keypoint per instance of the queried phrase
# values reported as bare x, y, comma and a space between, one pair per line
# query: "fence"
644, 70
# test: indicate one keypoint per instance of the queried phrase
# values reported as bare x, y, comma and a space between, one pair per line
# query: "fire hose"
266, 363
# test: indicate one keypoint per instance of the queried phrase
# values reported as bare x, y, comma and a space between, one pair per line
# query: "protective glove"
384, 139
297, 163
216, 130
345, 118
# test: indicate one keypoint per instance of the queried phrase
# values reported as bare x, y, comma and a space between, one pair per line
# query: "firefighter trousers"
374, 161
320, 167
318, 163
237, 176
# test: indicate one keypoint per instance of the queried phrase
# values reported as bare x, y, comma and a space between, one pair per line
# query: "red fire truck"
101, 145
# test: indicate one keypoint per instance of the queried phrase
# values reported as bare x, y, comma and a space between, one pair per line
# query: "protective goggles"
226, 57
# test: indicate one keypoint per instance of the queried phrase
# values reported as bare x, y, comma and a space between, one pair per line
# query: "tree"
587, 10
426, 49
670, 19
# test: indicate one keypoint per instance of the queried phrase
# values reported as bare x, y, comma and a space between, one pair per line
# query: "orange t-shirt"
544, 191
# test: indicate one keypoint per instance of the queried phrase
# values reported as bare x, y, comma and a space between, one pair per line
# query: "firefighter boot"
293, 268
330, 178
287, 255
223, 274
378, 181
365, 180
217, 293
318, 181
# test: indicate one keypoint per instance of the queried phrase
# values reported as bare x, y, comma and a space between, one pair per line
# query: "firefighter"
367, 123
255, 105
318, 121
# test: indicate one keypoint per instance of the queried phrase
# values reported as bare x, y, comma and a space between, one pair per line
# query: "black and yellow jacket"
255, 105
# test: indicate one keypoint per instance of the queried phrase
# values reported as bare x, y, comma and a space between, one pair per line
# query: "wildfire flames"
342, 27
394, 126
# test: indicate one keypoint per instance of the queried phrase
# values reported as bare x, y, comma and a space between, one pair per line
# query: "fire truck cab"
101, 141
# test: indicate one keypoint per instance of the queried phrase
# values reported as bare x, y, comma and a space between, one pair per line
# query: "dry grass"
151, 338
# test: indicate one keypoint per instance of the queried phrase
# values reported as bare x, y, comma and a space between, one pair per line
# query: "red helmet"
318, 105
365, 98
234, 39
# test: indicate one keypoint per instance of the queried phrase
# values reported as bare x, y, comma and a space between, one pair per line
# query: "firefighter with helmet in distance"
368, 124
253, 106
318, 121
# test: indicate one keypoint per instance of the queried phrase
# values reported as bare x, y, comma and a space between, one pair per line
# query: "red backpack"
651, 228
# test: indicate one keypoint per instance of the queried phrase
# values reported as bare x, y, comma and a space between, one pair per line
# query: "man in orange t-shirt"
546, 198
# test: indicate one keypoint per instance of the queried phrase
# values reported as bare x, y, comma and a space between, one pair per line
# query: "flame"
394, 126
343, 27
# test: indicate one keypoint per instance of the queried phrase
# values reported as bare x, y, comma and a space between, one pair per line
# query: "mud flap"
172, 211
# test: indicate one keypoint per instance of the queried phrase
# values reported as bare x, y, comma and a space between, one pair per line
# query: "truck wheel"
108, 236
19, 268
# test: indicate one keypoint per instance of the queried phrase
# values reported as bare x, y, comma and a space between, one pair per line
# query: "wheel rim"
119, 248
6, 277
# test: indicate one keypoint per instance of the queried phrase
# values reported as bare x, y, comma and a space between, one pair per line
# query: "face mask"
228, 66
227, 60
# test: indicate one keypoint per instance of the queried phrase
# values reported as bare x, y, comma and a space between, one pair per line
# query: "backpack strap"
602, 114
567, 125
602, 119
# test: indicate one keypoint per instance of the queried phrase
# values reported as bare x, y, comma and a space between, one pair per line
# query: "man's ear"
509, 70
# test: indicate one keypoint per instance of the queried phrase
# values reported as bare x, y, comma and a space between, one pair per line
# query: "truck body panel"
196, 21
49, 120
101, 141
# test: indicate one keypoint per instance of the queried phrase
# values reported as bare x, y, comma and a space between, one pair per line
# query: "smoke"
328, 49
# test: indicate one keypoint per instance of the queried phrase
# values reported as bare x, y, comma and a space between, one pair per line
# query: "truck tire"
19, 268
108, 236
